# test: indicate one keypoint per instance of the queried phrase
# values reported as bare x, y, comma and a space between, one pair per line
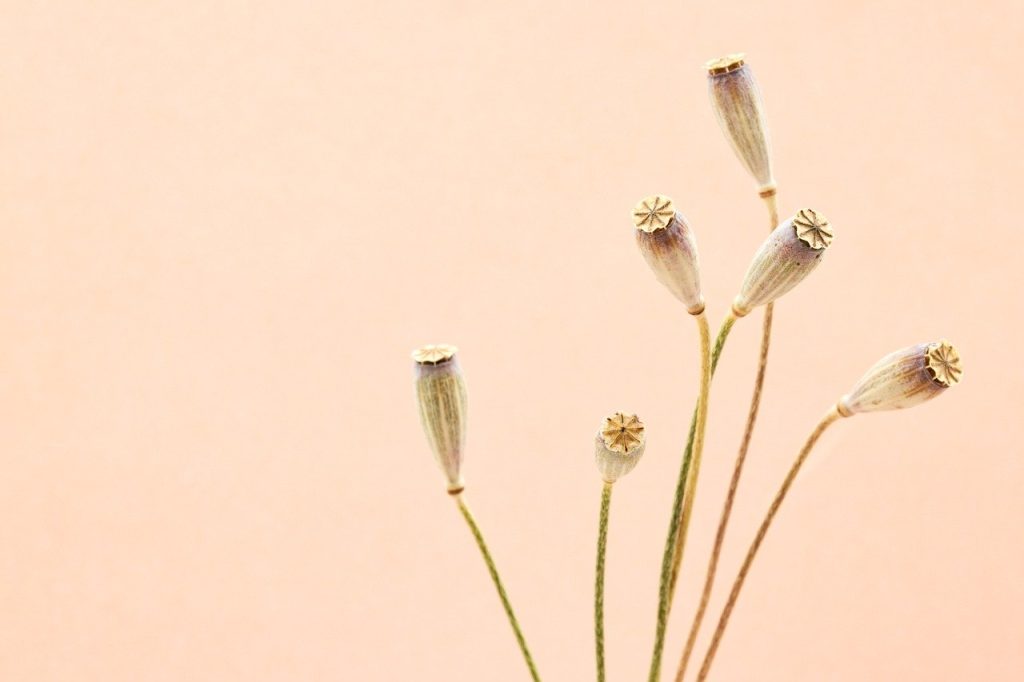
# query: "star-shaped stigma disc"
653, 213
622, 432
813, 229
943, 362
434, 354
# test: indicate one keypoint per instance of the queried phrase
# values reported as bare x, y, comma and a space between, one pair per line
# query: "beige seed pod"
619, 445
791, 251
736, 100
442, 398
905, 378
670, 249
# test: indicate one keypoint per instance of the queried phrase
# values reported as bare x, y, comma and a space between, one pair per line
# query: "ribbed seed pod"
905, 378
442, 398
670, 249
736, 100
789, 254
619, 445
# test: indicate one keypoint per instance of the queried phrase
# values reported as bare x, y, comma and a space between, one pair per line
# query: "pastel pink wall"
225, 225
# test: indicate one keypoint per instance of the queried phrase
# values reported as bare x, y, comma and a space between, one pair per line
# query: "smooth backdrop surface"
225, 225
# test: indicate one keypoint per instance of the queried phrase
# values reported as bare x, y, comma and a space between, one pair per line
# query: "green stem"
493, 570
602, 546
669, 567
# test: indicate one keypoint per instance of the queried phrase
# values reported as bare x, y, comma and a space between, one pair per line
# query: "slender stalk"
737, 585
669, 565
690, 491
493, 570
771, 203
737, 472
602, 545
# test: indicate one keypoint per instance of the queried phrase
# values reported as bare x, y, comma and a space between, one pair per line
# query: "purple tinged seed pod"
905, 378
619, 445
791, 251
736, 100
441, 392
670, 249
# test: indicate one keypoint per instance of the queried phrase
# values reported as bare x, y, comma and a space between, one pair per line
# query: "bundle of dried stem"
793, 249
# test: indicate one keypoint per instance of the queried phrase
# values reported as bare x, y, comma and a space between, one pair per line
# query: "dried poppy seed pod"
670, 249
442, 398
789, 254
905, 378
619, 445
736, 100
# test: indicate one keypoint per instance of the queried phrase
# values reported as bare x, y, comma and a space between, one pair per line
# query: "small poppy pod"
619, 445
670, 249
736, 100
441, 392
791, 251
905, 378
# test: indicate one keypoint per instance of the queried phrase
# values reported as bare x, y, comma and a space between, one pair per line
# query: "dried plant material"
793, 249
943, 361
902, 379
434, 354
812, 229
622, 432
653, 213
830, 418
736, 100
726, 64
492, 569
790, 253
670, 249
905, 378
442, 400
619, 445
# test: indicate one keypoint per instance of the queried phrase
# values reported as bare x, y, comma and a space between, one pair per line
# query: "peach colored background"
225, 225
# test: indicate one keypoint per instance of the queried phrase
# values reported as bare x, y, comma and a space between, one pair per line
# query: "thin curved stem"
493, 570
690, 491
737, 585
602, 546
673, 550
737, 472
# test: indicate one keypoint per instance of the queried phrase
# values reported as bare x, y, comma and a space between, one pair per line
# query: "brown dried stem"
723, 620
737, 472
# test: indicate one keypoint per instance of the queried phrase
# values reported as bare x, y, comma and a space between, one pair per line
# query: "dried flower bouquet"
793, 249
